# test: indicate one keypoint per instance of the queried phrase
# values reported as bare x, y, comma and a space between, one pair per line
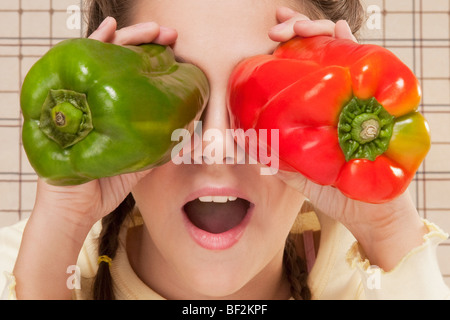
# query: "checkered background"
418, 31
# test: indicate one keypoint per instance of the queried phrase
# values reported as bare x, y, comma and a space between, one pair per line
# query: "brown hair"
335, 10
294, 266
98, 10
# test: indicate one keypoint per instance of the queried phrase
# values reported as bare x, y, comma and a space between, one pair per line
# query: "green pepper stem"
66, 117
364, 129
60, 119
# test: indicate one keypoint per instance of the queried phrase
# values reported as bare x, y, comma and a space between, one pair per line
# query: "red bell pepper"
346, 114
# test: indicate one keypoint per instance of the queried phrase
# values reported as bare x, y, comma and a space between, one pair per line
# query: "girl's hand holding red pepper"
375, 169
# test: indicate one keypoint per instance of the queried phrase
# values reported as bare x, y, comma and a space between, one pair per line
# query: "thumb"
316, 193
294, 180
129, 180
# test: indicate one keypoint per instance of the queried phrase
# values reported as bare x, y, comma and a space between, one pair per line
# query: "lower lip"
218, 241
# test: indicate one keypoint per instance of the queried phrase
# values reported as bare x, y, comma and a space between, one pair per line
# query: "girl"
221, 231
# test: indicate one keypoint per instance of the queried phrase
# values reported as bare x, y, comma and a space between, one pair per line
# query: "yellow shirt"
340, 271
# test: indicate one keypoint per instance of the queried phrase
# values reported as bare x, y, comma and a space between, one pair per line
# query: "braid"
295, 270
109, 242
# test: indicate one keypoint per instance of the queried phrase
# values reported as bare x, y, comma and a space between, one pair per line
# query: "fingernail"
279, 27
348, 27
304, 22
104, 23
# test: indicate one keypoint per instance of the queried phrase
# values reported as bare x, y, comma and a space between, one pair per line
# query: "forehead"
212, 32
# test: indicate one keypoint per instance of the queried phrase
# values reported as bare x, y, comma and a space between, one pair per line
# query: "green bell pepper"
94, 109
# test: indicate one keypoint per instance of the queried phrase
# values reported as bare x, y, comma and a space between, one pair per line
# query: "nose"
213, 140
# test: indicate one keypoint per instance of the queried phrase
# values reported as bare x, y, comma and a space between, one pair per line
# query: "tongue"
216, 217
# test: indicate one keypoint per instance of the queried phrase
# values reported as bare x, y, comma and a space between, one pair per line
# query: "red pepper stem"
364, 129
370, 131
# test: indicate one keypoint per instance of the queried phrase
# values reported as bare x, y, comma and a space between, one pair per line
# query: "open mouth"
217, 214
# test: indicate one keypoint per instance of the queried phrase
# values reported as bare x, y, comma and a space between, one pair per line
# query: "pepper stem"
364, 129
60, 119
370, 130
66, 117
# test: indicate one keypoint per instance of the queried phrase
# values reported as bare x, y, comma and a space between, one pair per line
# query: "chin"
217, 275
217, 286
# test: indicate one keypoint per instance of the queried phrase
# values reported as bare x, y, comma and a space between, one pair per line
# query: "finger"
167, 36
285, 13
285, 30
105, 32
343, 31
145, 33
314, 28
137, 34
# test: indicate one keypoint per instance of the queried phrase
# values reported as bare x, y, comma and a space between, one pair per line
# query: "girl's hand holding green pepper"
94, 109
64, 215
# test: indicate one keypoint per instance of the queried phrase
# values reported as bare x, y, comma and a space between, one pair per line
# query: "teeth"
219, 199
206, 199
